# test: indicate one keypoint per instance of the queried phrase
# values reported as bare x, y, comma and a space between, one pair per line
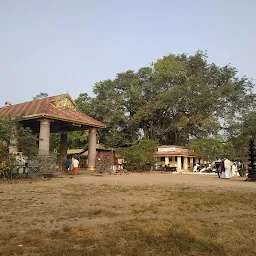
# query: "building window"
176, 158
170, 159
162, 159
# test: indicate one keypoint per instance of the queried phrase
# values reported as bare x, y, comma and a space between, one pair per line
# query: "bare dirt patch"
134, 214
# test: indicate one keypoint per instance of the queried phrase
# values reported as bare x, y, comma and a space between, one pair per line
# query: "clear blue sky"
55, 46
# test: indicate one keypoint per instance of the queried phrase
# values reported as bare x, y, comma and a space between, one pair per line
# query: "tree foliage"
78, 139
41, 95
139, 157
55, 142
7, 161
6, 130
239, 132
176, 99
210, 148
27, 142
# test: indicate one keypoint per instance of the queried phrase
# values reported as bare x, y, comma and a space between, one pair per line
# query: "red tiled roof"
177, 153
173, 150
45, 108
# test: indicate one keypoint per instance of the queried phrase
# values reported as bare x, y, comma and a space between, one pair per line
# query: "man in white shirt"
227, 166
75, 164
195, 168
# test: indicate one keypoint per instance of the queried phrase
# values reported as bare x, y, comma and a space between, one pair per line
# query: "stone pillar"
185, 165
191, 163
14, 140
44, 137
196, 161
92, 150
179, 163
166, 160
63, 148
174, 162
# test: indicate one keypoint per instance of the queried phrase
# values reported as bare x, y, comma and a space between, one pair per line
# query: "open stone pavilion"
56, 114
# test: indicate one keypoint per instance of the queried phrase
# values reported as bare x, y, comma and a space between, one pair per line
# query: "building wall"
106, 157
161, 161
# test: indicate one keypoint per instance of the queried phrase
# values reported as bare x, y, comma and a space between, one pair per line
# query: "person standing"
75, 164
234, 170
195, 168
67, 165
239, 168
227, 166
218, 165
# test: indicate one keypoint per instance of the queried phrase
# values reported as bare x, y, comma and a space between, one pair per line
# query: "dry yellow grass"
69, 218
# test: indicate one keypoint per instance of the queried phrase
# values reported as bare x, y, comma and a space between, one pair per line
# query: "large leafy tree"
194, 98
177, 99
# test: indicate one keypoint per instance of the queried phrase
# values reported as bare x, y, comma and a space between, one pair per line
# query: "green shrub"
242, 172
7, 161
139, 157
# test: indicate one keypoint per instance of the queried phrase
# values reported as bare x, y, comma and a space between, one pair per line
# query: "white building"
175, 156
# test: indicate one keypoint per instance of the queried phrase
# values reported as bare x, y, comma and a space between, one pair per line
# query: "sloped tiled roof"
173, 150
75, 151
177, 153
45, 108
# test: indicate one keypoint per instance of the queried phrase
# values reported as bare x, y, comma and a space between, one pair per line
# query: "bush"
242, 172
139, 157
7, 161
26, 142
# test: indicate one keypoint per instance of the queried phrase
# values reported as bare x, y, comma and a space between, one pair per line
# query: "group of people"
169, 168
223, 167
226, 168
72, 165
206, 167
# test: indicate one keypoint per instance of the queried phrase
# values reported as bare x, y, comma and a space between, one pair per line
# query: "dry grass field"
149, 214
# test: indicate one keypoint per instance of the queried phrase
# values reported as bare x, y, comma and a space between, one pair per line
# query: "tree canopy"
41, 95
177, 99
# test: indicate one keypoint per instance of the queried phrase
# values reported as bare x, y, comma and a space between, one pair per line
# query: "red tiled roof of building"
171, 153
45, 108
173, 150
